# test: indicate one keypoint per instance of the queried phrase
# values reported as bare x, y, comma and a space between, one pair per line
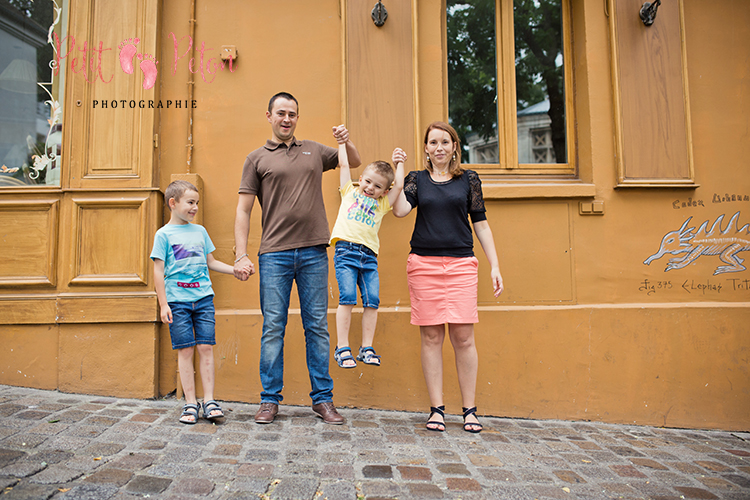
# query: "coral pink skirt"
442, 289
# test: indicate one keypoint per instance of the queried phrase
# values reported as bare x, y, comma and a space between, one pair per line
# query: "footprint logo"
148, 67
127, 51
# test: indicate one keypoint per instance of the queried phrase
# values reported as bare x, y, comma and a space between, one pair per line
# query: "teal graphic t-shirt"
183, 248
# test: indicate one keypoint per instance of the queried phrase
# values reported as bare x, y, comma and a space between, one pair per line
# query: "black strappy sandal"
440, 426
467, 412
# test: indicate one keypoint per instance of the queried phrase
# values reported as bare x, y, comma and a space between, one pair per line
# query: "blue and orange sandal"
189, 410
467, 412
212, 406
368, 356
344, 354
439, 426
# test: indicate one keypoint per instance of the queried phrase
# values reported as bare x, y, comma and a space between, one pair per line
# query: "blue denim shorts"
356, 265
193, 323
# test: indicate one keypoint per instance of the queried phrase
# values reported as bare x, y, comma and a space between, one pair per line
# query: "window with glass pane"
472, 78
540, 88
536, 40
31, 91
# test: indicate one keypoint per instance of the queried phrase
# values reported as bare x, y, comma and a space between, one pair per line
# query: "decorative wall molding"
109, 237
29, 242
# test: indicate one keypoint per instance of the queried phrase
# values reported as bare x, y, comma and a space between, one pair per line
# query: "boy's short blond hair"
176, 189
383, 168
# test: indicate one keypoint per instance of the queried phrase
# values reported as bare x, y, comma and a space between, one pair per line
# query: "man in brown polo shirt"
285, 175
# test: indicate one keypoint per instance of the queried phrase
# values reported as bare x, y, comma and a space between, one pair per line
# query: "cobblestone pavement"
68, 446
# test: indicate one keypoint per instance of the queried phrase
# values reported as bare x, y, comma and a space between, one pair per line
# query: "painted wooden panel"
380, 82
109, 241
102, 308
651, 96
112, 125
27, 309
28, 242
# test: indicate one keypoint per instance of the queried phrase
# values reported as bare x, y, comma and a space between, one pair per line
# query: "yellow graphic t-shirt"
359, 218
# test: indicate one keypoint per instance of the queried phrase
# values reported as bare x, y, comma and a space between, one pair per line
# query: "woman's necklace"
439, 173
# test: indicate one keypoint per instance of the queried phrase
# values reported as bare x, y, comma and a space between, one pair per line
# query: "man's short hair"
383, 168
282, 95
176, 189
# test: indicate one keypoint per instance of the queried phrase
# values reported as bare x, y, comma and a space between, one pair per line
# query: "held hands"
341, 134
399, 156
497, 281
243, 268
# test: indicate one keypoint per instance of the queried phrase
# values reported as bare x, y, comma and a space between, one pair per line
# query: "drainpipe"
189, 175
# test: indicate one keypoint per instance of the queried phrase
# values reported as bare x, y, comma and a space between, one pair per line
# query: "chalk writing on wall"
716, 198
726, 243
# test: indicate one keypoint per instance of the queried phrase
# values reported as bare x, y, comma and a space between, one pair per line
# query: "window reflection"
472, 78
540, 96
30, 93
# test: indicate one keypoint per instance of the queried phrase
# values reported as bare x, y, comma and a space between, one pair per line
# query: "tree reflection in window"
539, 72
539, 66
472, 77
30, 92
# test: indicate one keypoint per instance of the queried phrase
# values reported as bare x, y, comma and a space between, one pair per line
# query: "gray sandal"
368, 356
189, 410
208, 407
344, 354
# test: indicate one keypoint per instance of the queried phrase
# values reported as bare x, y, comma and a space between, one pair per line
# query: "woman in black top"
442, 269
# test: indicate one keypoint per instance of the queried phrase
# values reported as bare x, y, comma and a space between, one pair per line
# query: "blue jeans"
308, 267
355, 265
193, 323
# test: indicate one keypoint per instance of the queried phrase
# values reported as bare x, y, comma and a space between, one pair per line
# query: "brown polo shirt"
287, 182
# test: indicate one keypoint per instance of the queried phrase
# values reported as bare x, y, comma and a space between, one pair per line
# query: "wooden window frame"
506, 102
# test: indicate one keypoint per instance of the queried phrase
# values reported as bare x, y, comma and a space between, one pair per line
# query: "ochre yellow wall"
108, 358
574, 336
29, 355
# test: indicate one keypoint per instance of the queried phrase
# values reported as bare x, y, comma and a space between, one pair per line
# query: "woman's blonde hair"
454, 167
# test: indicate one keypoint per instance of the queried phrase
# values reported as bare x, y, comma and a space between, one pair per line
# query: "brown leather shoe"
266, 413
328, 413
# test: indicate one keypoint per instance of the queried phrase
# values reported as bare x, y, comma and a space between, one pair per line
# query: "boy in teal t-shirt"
182, 258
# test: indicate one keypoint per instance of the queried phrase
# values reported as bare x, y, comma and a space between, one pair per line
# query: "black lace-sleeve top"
442, 227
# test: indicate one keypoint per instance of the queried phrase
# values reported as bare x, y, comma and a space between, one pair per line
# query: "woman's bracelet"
240, 258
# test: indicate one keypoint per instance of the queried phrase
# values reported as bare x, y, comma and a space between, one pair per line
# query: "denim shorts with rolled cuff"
357, 265
193, 323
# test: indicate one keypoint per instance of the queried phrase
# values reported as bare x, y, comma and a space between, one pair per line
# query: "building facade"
626, 294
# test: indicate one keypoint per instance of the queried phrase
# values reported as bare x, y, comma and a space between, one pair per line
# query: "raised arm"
396, 195
484, 235
344, 173
401, 207
342, 135
243, 267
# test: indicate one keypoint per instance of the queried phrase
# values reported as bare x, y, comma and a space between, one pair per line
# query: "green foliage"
472, 94
538, 29
472, 72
